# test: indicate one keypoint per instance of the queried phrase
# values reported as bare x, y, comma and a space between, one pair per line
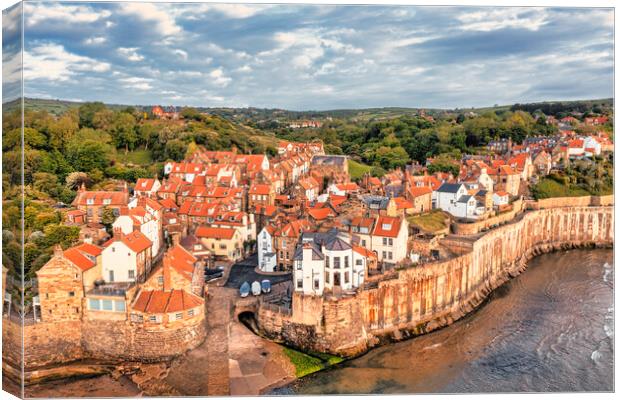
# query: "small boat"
266, 285
244, 290
256, 288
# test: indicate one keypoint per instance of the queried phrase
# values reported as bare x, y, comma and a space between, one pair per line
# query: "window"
131, 274
383, 254
119, 305
222, 247
358, 261
298, 265
190, 313
336, 262
327, 262
327, 277
153, 318
137, 318
385, 241
300, 283
316, 284
71, 294
363, 242
346, 277
160, 280
390, 241
106, 305
389, 255
346, 261
93, 304
113, 249
178, 316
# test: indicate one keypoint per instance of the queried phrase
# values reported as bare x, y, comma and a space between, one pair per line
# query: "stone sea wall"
421, 299
52, 343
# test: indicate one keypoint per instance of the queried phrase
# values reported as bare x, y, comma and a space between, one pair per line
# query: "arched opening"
248, 318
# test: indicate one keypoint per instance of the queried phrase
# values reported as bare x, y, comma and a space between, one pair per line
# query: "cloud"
77, 14
493, 19
181, 53
218, 78
137, 83
52, 62
95, 40
130, 53
162, 20
315, 57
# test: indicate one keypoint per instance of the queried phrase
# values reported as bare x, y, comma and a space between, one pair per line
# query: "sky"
311, 57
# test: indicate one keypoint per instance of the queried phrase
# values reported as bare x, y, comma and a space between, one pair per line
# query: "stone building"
94, 202
61, 288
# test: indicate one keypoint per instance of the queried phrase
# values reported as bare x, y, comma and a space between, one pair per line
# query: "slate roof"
449, 187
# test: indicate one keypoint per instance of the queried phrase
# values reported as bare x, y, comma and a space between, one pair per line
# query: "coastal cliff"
423, 298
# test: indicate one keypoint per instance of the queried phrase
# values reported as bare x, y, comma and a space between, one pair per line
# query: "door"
336, 279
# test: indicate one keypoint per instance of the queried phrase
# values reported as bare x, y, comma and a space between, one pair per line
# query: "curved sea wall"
421, 299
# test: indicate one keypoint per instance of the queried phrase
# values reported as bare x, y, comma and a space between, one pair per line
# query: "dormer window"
386, 227
90, 201
107, 201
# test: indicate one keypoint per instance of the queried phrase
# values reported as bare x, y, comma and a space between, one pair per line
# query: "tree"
62, 130
124, 132
75, 180
107, 217
87, 112
88, 155
175, 149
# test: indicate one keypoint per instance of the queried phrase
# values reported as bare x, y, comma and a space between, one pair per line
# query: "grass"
550, 188
357, 170
136, 157
306, 364
433, 221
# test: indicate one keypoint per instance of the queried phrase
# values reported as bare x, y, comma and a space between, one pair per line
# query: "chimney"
166, 273
58, 251
118, 233
176, 237
125, 188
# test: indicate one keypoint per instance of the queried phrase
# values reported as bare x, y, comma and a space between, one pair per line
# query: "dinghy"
255, 288
244, 290
266, 285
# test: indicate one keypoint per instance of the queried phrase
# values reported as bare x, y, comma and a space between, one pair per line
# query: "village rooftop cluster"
297, 215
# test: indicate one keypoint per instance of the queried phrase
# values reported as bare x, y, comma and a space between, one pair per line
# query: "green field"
136, 157
306, 364
433, 221
550, 188
357, 170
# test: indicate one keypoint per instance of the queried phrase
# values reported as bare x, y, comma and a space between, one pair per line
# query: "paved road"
244, 271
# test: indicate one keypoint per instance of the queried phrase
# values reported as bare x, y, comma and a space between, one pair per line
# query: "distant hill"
264, 114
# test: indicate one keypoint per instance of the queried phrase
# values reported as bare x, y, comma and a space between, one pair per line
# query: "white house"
266, 253
139, 219
147, 187
454, 199
500, 198
328, 261
126, 257
389, 239
592, 146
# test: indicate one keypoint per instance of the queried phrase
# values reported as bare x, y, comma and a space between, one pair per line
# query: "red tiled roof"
136, 241
89, 249
391, 228
160, 302
79, 259
320, 213
215, 233
420, 190
144, 184
402, 203
101, 198
260, 189
364, 252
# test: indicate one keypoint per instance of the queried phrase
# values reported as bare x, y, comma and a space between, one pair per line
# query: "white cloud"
162, 20
498, 18
52, 62
181, 53
130, 53
218, 78
37, 12
95, 40
12, 68
137, 83
245, 68
238, 10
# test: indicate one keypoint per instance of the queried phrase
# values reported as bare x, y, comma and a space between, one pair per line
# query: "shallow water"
550, 329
